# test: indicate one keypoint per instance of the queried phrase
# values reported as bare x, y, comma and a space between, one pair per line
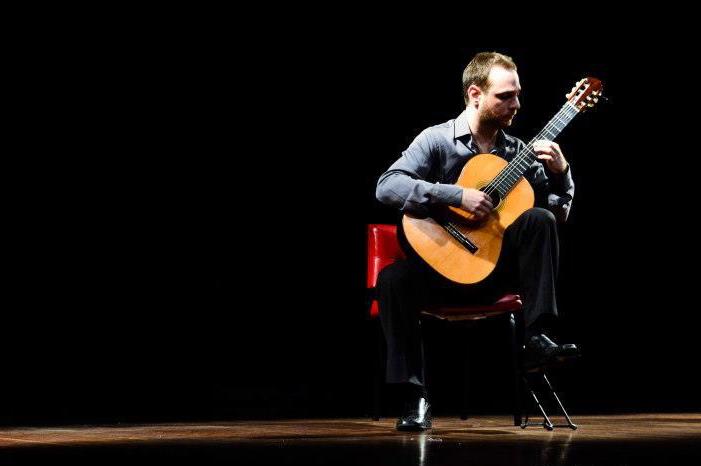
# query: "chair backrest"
383, 249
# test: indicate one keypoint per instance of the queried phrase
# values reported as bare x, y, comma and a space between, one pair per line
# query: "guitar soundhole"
494, 195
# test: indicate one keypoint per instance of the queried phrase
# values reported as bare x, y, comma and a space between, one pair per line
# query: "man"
423, 178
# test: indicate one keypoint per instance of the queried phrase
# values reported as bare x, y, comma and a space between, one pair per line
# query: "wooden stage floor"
600, 440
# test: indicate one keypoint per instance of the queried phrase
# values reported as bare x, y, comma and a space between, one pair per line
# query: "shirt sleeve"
407, 183
553, 191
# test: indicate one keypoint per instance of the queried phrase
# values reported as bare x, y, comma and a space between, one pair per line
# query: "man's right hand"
476, 202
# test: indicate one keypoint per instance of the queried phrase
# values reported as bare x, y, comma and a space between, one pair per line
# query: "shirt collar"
462, 128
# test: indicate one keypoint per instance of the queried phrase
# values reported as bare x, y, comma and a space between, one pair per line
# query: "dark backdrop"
190, 223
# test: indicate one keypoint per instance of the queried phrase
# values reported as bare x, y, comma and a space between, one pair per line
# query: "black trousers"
527, 265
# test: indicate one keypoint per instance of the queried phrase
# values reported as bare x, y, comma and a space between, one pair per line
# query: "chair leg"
517, 385
379, 371
466, 378
515, 370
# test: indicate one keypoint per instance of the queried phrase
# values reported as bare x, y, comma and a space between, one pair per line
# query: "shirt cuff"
447, 194
563, 180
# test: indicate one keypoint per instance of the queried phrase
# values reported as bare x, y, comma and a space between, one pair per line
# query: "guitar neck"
512, 173
551, 130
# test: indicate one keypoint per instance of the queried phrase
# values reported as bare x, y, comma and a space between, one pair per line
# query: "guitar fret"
513, 172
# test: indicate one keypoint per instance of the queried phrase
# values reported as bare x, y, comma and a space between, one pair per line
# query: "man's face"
499, 103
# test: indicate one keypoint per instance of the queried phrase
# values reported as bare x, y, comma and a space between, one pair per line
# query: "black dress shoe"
541, 351
416, 417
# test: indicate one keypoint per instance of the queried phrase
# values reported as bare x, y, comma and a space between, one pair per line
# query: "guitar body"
435, 245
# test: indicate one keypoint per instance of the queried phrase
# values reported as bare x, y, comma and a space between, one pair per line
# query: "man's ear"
474, 93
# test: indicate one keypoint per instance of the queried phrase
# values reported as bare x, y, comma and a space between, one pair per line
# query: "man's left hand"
552, 155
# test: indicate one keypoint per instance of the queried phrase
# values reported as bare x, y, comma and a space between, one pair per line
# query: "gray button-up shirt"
426, 172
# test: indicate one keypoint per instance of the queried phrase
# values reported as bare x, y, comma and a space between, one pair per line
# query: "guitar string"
509, 170
527, 152
523, 155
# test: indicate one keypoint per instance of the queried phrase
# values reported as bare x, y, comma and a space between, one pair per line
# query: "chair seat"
508, 303
384, 249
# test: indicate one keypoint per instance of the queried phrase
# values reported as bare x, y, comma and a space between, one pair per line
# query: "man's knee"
395, 273
540, 216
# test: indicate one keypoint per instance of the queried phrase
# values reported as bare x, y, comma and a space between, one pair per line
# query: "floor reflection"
422, 449
602, 441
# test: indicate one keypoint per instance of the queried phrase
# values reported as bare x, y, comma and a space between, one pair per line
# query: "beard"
489, 118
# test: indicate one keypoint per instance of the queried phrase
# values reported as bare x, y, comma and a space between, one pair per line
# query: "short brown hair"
477, 71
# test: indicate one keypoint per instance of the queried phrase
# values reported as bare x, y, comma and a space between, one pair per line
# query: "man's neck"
483, 134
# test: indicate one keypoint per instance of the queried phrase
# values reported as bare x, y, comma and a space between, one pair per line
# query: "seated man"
423, 178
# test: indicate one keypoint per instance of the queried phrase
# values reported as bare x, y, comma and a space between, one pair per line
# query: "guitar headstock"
585, 94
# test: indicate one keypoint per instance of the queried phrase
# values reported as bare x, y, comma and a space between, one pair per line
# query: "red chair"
384, 249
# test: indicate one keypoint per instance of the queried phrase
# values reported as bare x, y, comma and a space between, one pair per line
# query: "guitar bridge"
459, 237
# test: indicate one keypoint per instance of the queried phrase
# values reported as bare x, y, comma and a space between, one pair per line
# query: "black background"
190, 204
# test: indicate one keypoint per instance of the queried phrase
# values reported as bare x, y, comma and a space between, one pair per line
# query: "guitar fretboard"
512, 173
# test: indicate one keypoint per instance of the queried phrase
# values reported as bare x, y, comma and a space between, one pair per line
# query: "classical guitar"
465, 250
